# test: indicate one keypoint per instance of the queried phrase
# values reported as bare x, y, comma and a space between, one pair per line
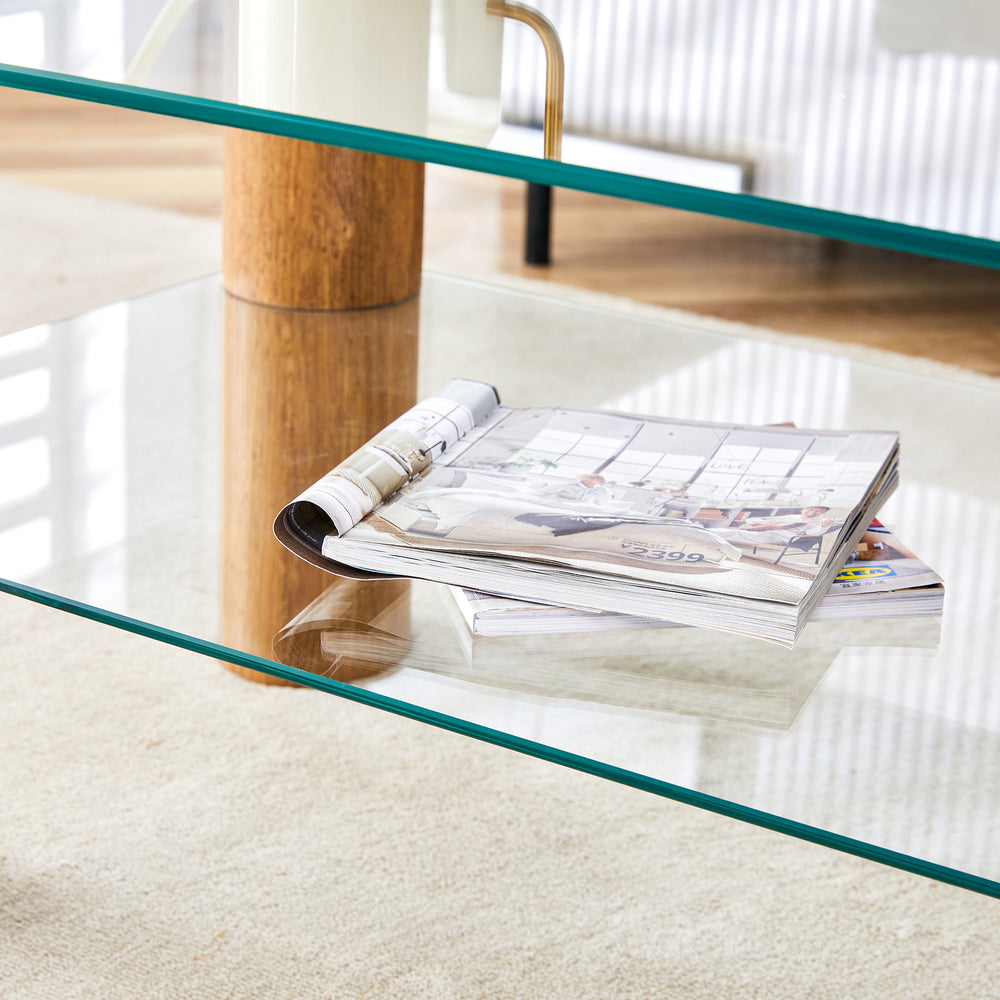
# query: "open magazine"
881, 579
736, 528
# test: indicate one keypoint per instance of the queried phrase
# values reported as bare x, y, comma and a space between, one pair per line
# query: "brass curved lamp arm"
555, 71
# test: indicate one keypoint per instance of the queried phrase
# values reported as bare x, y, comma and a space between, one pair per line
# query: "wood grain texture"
302, 391
307, 226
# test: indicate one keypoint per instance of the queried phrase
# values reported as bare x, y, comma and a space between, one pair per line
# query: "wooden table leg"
315, 227
315, 238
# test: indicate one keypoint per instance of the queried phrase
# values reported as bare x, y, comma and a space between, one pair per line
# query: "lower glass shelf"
129, 427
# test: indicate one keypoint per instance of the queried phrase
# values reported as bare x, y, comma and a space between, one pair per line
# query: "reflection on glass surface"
22, 39
876, 736
342, 375
354, 630
109, 507
858, 108
24, 469
371, 629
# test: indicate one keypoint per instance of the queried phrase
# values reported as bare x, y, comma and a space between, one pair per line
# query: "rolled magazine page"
389, 460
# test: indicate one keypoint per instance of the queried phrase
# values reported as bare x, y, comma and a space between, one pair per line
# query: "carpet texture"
171, 831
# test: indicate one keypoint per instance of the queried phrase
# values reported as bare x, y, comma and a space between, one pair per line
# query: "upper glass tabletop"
854, 120
135, 489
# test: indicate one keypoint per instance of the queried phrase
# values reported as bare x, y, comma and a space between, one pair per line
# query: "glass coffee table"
878, 738
175, 437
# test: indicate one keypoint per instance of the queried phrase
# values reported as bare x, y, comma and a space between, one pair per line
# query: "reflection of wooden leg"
303, 390
314, 237
354, 629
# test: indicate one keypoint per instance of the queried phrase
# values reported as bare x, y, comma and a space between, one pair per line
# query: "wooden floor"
786, 281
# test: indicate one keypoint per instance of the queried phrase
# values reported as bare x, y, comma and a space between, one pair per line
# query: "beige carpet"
168, 830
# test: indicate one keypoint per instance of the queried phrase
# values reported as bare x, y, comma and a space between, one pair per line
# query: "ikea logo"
864, 572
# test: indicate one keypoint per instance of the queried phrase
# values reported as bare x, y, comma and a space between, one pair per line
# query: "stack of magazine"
578, 519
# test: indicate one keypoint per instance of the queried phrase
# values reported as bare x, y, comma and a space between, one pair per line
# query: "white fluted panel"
802, 89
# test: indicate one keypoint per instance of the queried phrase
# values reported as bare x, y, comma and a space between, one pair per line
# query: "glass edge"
677, 793
956, 247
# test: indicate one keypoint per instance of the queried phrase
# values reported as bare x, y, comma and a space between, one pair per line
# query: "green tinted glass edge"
742, 207
723, 807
